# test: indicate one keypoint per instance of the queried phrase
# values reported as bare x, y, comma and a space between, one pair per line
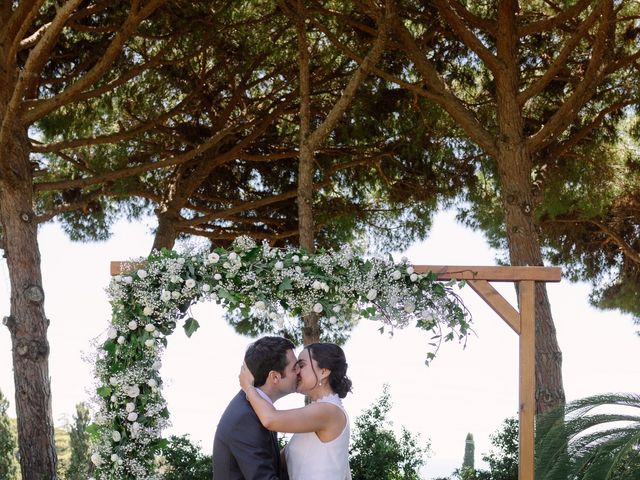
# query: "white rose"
317, 308
409, 307
149, 327
206, 287
305, 258
181, 260
226, 265
413, 277
371, 295
132, 417
396, 275
404, 259
175, 295
147, 311
96, 459
217, 276
132, 391
142, 273
295, 259
260, 305
279, 265
213, 257
118, 278
280, 322
157, 334
190, 283
298, 269
333, 320
156, 365
149, 342
233, 256
130, 407
121, 340
410, 270
114, 399
127, 279
324, 287
152, 382
114, 457
116, 436
132, 325
113, 333
165, 296
337, 308
113, 381
316, 285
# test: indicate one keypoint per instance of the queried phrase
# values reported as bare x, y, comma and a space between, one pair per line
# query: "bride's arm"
310, 418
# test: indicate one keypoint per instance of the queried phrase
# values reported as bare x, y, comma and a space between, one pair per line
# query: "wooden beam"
493, 274
527, 290
496, 301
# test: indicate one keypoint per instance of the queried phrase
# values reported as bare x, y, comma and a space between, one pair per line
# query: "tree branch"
552, 22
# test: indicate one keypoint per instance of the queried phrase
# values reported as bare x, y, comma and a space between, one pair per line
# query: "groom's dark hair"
266, 354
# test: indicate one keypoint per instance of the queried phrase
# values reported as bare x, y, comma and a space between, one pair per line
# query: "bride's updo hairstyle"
331, 357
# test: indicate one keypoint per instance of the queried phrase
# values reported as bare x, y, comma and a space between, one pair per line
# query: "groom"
242, 448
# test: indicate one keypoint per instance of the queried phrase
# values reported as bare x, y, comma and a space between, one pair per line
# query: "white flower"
149, 342
404, 259
96, 459
217, 276
213, 257
333, 320
175, 295
118, 278
165, 296
127, 279
142, 273
206, 287
337, 308
295, 259
113, 333
317, 308
113, 381
116, 436
409, 307
149, 327
132, 325
298, 269
233, 256
410, 270
279, 265
156, 365
132, 417
371, 294
147, 311
190, 283
175, 279
132, 391
280, 322
413, 277
396, 275
152, 382
130, 407
324, 287
226, 265
316, 285
114, 457
181, 260
114, 399
260, 305
305, 258
121, 340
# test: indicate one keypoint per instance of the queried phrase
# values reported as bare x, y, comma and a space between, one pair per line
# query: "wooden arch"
522, 322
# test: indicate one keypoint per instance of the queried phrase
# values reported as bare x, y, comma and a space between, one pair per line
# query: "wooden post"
527, 379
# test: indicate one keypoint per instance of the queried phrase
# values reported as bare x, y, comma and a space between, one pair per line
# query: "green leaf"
285, 285
190, 326
105, 391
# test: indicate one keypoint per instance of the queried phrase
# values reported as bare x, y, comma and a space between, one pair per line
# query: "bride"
319, 447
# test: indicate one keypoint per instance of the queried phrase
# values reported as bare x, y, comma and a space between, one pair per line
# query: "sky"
466, 389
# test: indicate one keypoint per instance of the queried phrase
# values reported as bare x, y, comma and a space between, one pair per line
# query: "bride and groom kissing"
245, 446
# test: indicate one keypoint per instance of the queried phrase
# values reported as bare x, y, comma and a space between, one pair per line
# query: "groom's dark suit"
242, 448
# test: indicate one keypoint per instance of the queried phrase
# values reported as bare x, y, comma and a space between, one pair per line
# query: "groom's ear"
274, 376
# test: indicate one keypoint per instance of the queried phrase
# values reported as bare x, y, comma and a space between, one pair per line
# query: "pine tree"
7, 442
80, 466
469, 452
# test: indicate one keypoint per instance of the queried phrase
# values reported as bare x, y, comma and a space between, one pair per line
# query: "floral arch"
273, 286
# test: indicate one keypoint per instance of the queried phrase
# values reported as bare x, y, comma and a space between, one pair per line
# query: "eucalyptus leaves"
251, 281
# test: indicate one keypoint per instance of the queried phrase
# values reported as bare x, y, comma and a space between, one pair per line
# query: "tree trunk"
27, 322
167, 232
524, 249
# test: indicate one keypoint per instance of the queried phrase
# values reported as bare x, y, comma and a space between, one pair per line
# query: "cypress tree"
80, 466
7, 442
469, 452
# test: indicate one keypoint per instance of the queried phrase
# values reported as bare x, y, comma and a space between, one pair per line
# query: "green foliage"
469, 452
80, 465
594, 438
183, 460
8, 469
378, 453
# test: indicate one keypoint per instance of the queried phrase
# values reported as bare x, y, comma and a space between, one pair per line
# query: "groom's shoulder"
238, 407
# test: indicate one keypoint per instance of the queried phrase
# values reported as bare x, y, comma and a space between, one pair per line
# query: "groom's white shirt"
264, 395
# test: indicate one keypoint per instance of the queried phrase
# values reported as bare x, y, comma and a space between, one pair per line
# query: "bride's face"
308, 377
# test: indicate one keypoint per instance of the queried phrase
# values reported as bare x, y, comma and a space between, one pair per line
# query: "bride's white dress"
308, 458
